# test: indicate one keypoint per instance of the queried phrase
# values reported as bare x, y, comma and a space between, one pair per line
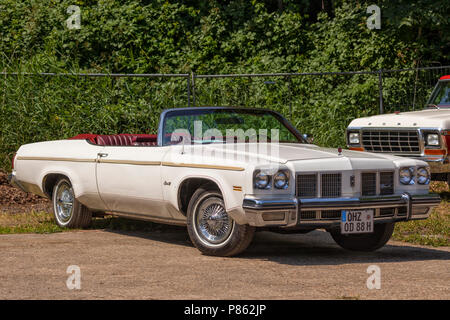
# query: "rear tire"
211, 229
68, 211
364, 242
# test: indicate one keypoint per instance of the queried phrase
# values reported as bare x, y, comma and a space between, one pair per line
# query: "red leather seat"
124, 139
115, 140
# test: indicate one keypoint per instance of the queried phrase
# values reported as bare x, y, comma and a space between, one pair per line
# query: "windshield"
441, 95
227, 125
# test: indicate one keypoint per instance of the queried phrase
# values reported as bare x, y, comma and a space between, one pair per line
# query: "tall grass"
38, 108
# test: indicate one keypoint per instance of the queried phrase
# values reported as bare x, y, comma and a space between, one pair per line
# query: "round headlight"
281, 180
423, 175
353, 138
432, 139
406, 175
262, 180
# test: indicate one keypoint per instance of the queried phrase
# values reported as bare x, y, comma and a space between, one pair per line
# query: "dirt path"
164, 265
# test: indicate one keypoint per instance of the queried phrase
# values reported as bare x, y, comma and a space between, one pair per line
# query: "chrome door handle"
102, 155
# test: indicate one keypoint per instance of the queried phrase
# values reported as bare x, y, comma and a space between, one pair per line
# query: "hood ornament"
339, 151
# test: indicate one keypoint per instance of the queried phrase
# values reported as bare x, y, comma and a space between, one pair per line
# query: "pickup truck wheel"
211, 229
67, 210
367, 241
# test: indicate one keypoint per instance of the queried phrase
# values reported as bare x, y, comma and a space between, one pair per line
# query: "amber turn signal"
356, 149
434, 152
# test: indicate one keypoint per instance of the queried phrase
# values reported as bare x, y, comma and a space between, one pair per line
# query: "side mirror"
309, 139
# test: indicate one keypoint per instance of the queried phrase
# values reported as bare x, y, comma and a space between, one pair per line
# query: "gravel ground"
164, 265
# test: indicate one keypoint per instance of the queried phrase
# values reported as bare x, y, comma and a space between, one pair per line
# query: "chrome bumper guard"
287, 212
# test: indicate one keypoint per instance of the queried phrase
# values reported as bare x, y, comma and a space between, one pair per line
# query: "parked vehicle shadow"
169, 234
318, 248
314, 248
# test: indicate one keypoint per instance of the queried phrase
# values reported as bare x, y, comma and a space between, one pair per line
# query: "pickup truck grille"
331, 185
392, 141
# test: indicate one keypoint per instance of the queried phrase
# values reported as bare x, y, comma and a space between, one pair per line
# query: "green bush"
206, 37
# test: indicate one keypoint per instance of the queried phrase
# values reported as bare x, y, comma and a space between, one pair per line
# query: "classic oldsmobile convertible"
423, 135
224, 172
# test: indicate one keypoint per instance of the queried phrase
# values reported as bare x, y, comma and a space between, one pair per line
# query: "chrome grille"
331, 215
369, 183
307, 215
331, 185
386, 183
401, 211
397, 141
307, 185
387, 212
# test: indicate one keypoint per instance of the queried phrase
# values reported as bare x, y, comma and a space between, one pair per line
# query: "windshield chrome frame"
277, 115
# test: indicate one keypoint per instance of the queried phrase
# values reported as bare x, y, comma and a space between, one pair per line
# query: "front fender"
230, 183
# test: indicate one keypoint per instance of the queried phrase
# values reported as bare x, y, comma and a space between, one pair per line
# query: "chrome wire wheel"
212, 223
64, 202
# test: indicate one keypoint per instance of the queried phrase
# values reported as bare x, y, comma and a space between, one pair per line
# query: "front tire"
67, 210
364, 242
211, 229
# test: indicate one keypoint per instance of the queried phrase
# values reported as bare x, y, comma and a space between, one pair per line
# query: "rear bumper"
12, 179
325, 213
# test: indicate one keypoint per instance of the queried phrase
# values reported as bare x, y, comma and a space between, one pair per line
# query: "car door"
129, 179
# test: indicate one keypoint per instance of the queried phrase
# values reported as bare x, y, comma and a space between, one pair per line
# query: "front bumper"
438, 166
326, 213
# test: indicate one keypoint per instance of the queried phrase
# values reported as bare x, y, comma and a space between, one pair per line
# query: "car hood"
281, 153
429, 118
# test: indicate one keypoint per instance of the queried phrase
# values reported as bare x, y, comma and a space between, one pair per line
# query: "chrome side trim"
202, 166
131, 162
56, 159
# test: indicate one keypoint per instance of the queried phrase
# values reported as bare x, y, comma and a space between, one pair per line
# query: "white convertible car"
224, 172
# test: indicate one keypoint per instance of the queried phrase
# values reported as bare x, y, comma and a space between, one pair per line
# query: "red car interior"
123, 139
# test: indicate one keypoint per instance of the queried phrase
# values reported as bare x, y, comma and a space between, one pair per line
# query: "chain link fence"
46, 106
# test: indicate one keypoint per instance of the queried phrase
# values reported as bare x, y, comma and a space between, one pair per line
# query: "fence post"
380, 86
193, 88
188, 90
290, 97
415, 88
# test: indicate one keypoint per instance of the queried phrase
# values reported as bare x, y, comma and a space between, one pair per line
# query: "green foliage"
234, 36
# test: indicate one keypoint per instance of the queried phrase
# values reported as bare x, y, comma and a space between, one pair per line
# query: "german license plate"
357, 221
